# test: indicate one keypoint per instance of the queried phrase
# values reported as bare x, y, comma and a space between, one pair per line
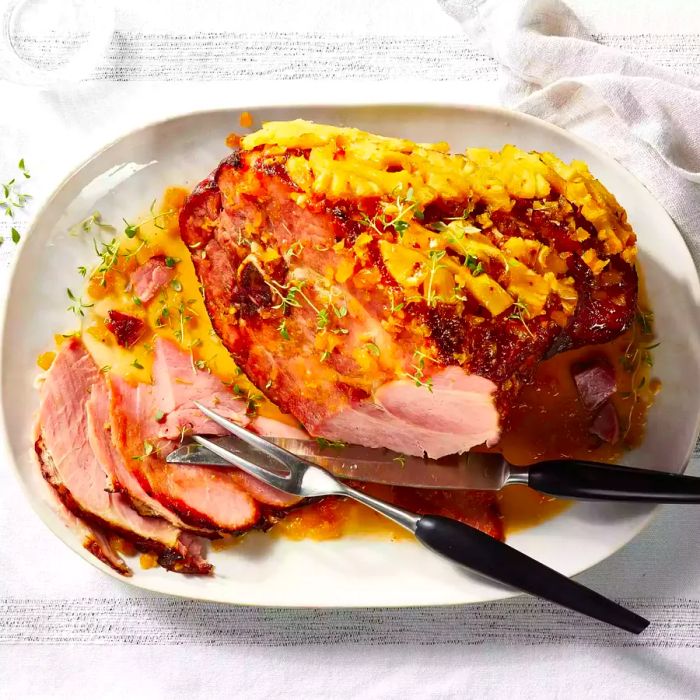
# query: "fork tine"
274, 451
279, 482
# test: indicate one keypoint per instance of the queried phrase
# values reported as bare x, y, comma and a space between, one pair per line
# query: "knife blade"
470, 471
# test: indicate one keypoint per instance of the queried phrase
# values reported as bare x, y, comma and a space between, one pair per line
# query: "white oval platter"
124, 177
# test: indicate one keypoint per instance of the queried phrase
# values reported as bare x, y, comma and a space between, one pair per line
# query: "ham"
176, 385
406, 418
383, 304
606, 424
92, 538
397, 414
120, 479
201, 497
71, 448
147, 419
595, 382
148, 279
270, 427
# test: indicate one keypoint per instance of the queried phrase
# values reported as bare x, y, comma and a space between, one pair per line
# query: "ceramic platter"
122, 180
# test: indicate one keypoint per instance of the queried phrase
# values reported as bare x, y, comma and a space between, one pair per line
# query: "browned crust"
168, 558
96, 550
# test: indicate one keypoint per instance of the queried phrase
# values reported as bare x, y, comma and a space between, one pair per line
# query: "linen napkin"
644, 116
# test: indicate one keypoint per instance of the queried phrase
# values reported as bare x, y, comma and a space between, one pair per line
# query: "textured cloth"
646, 117
68, 631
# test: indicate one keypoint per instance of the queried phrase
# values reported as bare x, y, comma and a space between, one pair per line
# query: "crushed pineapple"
341, 163
45, 360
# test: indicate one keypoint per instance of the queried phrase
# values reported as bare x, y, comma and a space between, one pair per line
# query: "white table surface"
68, 631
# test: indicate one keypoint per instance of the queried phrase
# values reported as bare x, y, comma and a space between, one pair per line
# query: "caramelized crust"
326, 285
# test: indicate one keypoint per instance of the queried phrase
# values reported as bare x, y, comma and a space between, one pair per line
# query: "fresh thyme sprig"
474, 265
77, 305
435, 257
148, 449
289, 297
253, 398
518, 314
333, 444
108, 254
131, 230
12, 197
418, 365
399, 221
636, 356
394, 307
282, 328
87, 224
637, 353
14, 233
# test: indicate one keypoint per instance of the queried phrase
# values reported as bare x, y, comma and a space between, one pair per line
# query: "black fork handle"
486, 555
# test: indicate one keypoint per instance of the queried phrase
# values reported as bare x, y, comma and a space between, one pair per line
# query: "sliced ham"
148, 279
457, 414
202, 497
595, 382
118, 477
176, 385
606, 424
70, 449
92, 538
269, 427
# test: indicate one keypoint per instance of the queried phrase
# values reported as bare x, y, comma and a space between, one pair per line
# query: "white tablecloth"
68, 631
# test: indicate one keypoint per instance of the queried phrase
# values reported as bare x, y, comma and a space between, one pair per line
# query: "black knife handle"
486, 555
609, 482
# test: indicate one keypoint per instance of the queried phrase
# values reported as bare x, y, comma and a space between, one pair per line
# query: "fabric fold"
644, 116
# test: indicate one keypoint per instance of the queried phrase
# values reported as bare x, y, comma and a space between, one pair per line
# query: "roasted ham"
391, 294
100, 441
146, 418
148, 279
72, 445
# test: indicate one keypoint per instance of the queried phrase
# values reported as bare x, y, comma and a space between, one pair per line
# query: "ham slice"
145, 420
119, 478
595, 383
148, 279
70, 451
406, 418
269, 427
176, 385
93, 539
201, 497
606, 424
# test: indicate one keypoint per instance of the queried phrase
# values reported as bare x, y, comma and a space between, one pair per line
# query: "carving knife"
469, 471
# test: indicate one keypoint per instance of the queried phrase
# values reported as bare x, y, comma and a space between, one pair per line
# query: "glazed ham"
92, 538
73, 444
145, 420
390, 294
148, 279
176, 386
100, 442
